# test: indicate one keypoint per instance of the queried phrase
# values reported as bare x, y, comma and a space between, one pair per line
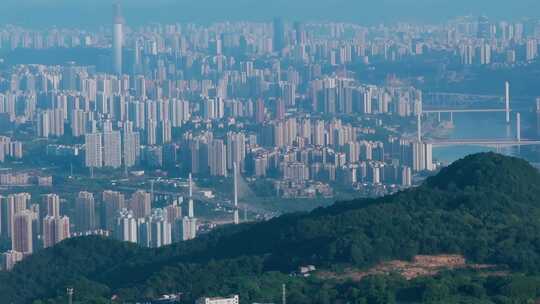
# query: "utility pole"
283, 294
70, 295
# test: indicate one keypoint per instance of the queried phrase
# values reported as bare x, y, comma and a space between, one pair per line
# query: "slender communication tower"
191, 211
118, 34
507, 101
236, 216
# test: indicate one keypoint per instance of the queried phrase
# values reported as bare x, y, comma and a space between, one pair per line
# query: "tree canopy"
485, 207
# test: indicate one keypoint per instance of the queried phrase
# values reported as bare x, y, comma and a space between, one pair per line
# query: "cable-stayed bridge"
517, 140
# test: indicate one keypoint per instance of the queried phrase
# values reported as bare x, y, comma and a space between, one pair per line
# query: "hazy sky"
93, 12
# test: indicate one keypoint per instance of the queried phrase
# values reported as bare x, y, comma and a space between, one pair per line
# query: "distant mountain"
485, 207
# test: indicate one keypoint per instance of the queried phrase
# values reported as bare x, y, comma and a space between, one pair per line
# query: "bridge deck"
463, 110
484, 142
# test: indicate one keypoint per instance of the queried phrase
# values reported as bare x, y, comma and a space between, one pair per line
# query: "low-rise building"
234, 299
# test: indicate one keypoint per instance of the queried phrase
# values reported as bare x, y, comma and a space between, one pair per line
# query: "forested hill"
485, 207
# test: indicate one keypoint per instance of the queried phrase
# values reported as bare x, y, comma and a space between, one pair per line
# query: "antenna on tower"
117, 13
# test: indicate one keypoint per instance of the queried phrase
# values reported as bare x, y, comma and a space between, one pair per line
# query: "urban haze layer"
158, 133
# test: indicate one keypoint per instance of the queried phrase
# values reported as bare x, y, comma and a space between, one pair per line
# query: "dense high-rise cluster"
275, 106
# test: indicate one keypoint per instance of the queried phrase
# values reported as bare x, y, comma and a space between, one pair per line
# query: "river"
485, 126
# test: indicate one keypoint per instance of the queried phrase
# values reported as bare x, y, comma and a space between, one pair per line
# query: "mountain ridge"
484, 207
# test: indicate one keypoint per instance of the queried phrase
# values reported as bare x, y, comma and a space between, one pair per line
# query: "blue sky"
92, 12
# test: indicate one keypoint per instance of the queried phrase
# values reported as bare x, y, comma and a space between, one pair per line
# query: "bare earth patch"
421, 265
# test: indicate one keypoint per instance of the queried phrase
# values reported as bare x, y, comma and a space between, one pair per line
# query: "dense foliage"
485, 207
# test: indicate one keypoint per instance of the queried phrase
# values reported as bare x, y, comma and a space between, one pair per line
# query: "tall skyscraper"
55, 230
78, 122
174, 217
164, 132
151, 132
421, 155
56, 120
174, 211
9, 206
113, 203
131, 147
126, 227
112, 149
217, 158
484, 29
531, 52
300, 31
279, 34
158, 230
93, 150
8, 259
189, 228
51, 205
236, 150
259, 111
43, 124
50, 123
141, 204
22, 239
85, 213
118, 33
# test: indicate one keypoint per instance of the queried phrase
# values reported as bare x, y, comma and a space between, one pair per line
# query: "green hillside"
485, 207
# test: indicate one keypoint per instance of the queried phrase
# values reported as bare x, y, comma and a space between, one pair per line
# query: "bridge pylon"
507, 101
